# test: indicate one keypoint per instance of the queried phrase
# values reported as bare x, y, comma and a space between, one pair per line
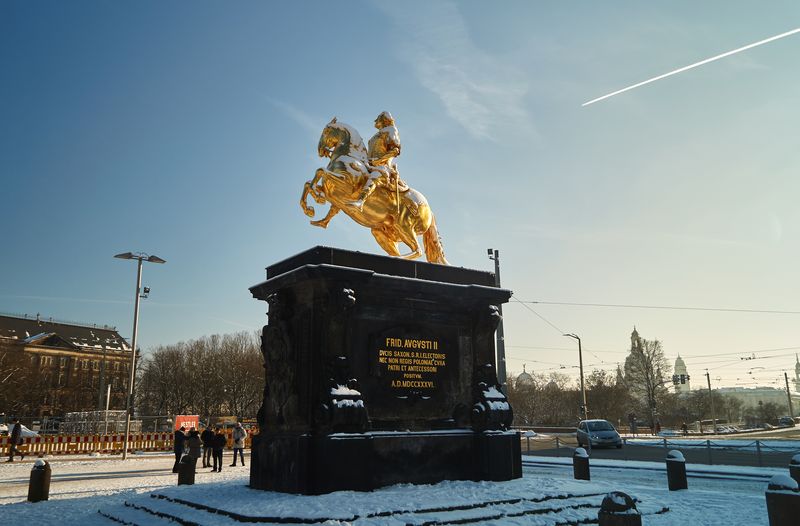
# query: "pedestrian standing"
194, 444
239, 434
685, 429
177, 446
16, 440
218, 444
207, 436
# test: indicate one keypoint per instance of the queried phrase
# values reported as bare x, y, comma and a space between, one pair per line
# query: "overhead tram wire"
661, 307
538, 315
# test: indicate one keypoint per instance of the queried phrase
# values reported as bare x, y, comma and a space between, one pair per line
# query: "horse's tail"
434, 251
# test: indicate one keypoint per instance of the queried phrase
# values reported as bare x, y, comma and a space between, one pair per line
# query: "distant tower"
797, 374
636, 342
681, 377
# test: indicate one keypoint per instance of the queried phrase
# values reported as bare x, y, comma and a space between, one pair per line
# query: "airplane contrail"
685, 68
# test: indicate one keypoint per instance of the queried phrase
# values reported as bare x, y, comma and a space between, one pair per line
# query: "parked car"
598, 433
786, 421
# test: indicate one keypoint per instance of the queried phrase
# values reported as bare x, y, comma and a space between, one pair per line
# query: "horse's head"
338, 139
332, 136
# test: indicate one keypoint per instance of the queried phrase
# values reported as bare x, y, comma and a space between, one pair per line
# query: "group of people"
209, 445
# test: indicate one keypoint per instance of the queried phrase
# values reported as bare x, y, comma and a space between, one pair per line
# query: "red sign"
187, 421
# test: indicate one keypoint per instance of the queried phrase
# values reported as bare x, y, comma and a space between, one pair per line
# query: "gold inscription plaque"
411, 363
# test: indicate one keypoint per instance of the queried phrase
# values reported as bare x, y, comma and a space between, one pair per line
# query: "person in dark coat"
16, 440
218, 444
194, 444
207, 436
180, 440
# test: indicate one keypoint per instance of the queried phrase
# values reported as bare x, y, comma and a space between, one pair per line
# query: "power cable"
662, 307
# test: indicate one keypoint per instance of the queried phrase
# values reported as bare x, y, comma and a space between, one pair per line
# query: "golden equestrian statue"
366, 186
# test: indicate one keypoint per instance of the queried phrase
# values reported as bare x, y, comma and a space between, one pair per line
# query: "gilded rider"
383, 147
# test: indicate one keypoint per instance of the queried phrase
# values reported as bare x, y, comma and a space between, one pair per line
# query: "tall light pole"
139, 257
501, 341
580, 362
788, 394
711, 396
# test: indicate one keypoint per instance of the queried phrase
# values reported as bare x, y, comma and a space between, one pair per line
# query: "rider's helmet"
384, 119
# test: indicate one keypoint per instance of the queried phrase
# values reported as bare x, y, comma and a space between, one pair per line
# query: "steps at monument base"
147, 511
157, 510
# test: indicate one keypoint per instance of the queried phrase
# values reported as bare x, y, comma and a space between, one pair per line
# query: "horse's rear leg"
408, 237
386, 243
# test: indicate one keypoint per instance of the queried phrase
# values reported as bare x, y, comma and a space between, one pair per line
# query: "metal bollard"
580, 464
186, 469
783, 501
676, 471
794, 468
39, 485
618, 509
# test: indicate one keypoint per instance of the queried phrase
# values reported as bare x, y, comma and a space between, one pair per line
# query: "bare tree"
211, 376
646, 368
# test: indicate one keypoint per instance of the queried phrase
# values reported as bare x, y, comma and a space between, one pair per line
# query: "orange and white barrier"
85, 444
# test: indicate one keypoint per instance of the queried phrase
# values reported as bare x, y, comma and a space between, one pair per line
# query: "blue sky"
187, 129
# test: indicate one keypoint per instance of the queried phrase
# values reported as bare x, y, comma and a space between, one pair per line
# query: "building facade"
68, 366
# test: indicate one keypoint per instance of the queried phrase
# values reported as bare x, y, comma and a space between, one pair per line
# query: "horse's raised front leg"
308, 210
325, 220
317, 191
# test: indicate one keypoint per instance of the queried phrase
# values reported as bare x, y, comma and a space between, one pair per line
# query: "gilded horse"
390, 221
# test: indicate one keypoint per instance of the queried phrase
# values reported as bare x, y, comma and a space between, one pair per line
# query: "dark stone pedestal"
379, 371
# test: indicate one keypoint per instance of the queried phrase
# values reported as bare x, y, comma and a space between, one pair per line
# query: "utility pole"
711, 396
583, 390
788, 394
501, 341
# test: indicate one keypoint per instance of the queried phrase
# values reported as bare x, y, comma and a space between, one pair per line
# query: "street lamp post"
139, 257
580, 362
501, 342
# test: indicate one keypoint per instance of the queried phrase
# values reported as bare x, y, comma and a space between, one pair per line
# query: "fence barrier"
85, 444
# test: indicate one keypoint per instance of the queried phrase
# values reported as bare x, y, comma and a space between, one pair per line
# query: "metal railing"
762, 453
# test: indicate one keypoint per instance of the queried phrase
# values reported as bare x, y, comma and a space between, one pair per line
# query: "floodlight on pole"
580, 362
139, 257
501, 341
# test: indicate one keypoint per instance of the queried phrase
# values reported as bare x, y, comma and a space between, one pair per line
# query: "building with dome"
524, 379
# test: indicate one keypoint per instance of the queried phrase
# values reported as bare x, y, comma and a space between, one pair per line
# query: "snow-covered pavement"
546, 495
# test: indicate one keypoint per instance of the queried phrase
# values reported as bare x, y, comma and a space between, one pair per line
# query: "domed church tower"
524, 379
681, 377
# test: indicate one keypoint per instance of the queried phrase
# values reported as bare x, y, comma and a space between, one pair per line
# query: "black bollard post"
580, 464
619, 509
783, 501
794, 468
186, 469
676, 471
39, 485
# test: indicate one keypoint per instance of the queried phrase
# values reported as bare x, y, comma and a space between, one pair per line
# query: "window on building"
63, 361
85, 364
95, 365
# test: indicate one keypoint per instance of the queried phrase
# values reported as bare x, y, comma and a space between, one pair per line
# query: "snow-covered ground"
716, 495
